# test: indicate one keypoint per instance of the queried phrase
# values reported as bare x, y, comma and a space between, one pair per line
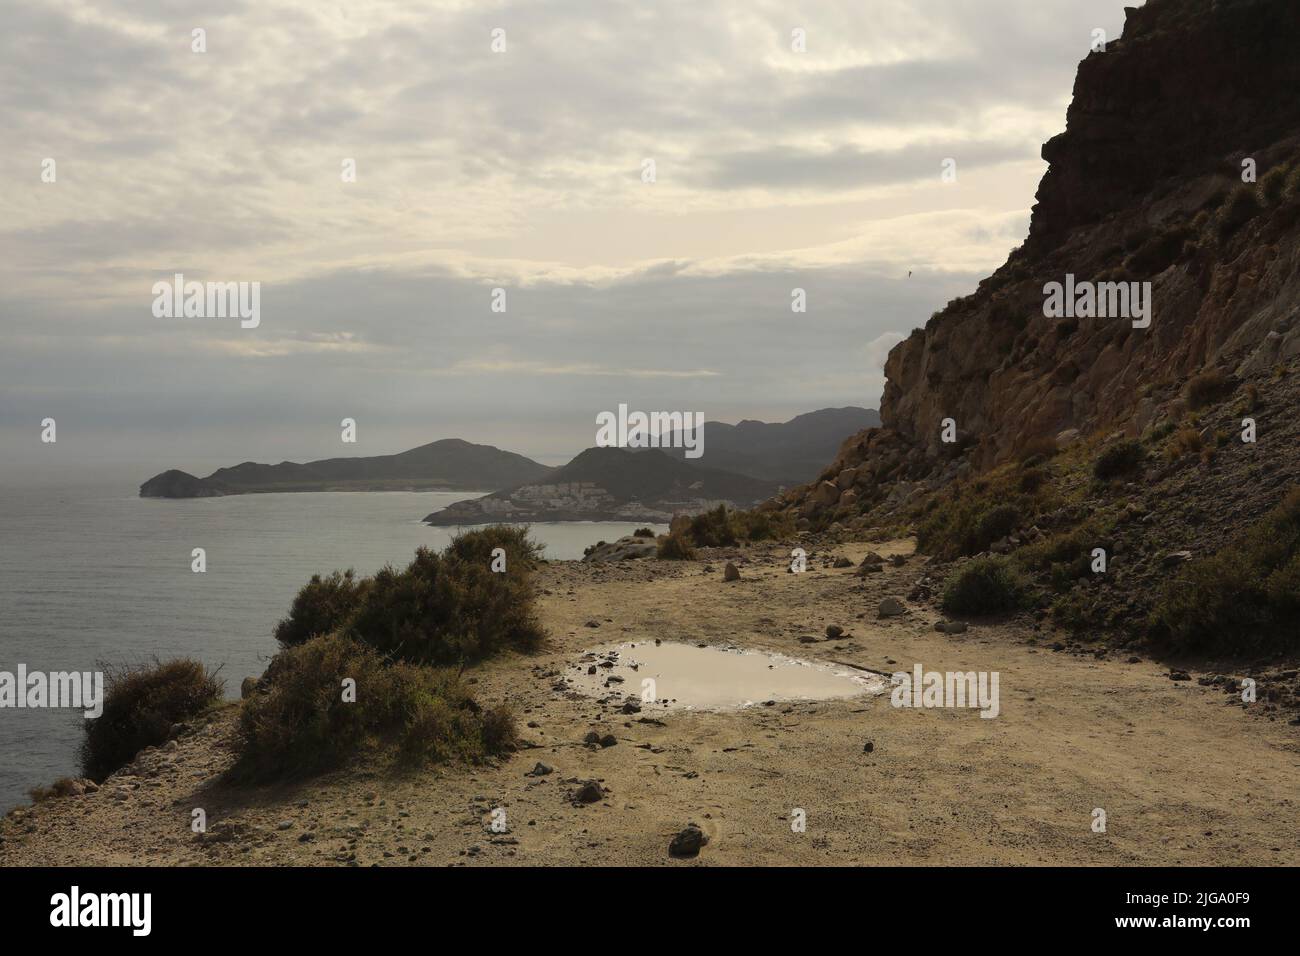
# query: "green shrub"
1207, 388
998, 522
675, 547
1065, 557
442, 608
713, 529
141, 703
301, 724
1122, 458
643, 533
1032, 479
1185, 441
1273, 185
320, 606
970, 517
1076, 610
984, 586
1244, 597
1241, 207
762, 525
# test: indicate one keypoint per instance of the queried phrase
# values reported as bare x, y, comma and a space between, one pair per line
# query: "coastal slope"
1076, 732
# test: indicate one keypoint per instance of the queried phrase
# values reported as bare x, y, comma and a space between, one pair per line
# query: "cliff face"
1145, 185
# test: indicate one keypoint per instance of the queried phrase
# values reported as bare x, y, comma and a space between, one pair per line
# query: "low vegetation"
985, 586
443, 608
1242, 598
1118, 460
311, 717
724, 528
322, 605
1240, 207
675, 547
969, 517
1207, 388
141, 703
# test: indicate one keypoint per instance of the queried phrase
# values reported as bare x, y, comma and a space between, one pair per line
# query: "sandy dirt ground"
1183, 776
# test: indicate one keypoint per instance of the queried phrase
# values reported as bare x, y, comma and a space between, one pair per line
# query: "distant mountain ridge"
450, 464
790, 453
612, 484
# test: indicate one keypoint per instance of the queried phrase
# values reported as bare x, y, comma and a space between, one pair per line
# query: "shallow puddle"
688, 677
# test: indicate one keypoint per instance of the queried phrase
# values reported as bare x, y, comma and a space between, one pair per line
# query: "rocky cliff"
1145, 185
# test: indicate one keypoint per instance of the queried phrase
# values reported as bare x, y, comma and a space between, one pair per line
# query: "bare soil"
1184, 773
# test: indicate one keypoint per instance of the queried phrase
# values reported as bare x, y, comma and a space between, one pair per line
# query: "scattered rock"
542, 769
950, 627
834, 631
730, 572
891, 607
688, 842
589, 791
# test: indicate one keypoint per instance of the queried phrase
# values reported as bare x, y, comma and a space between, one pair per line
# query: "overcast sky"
523, 170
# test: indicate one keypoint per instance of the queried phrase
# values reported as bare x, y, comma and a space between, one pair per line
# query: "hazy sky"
476, 169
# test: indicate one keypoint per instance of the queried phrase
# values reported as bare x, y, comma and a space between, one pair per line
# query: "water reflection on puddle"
711, 678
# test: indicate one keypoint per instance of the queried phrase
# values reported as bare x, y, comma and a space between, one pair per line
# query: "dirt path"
1182, 777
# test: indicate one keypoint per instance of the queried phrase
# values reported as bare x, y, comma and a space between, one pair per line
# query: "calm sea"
94, 573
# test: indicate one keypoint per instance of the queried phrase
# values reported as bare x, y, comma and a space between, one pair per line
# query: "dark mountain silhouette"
790, 453
450, 464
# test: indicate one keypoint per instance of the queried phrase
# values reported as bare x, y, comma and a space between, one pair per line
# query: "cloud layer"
476, 170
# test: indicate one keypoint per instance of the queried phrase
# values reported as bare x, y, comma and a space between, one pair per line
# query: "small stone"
730, 572
589, 792
542, 769
688, 842
891, 607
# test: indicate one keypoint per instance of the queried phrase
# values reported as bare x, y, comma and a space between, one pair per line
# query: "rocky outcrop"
1144, 186
180, 484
